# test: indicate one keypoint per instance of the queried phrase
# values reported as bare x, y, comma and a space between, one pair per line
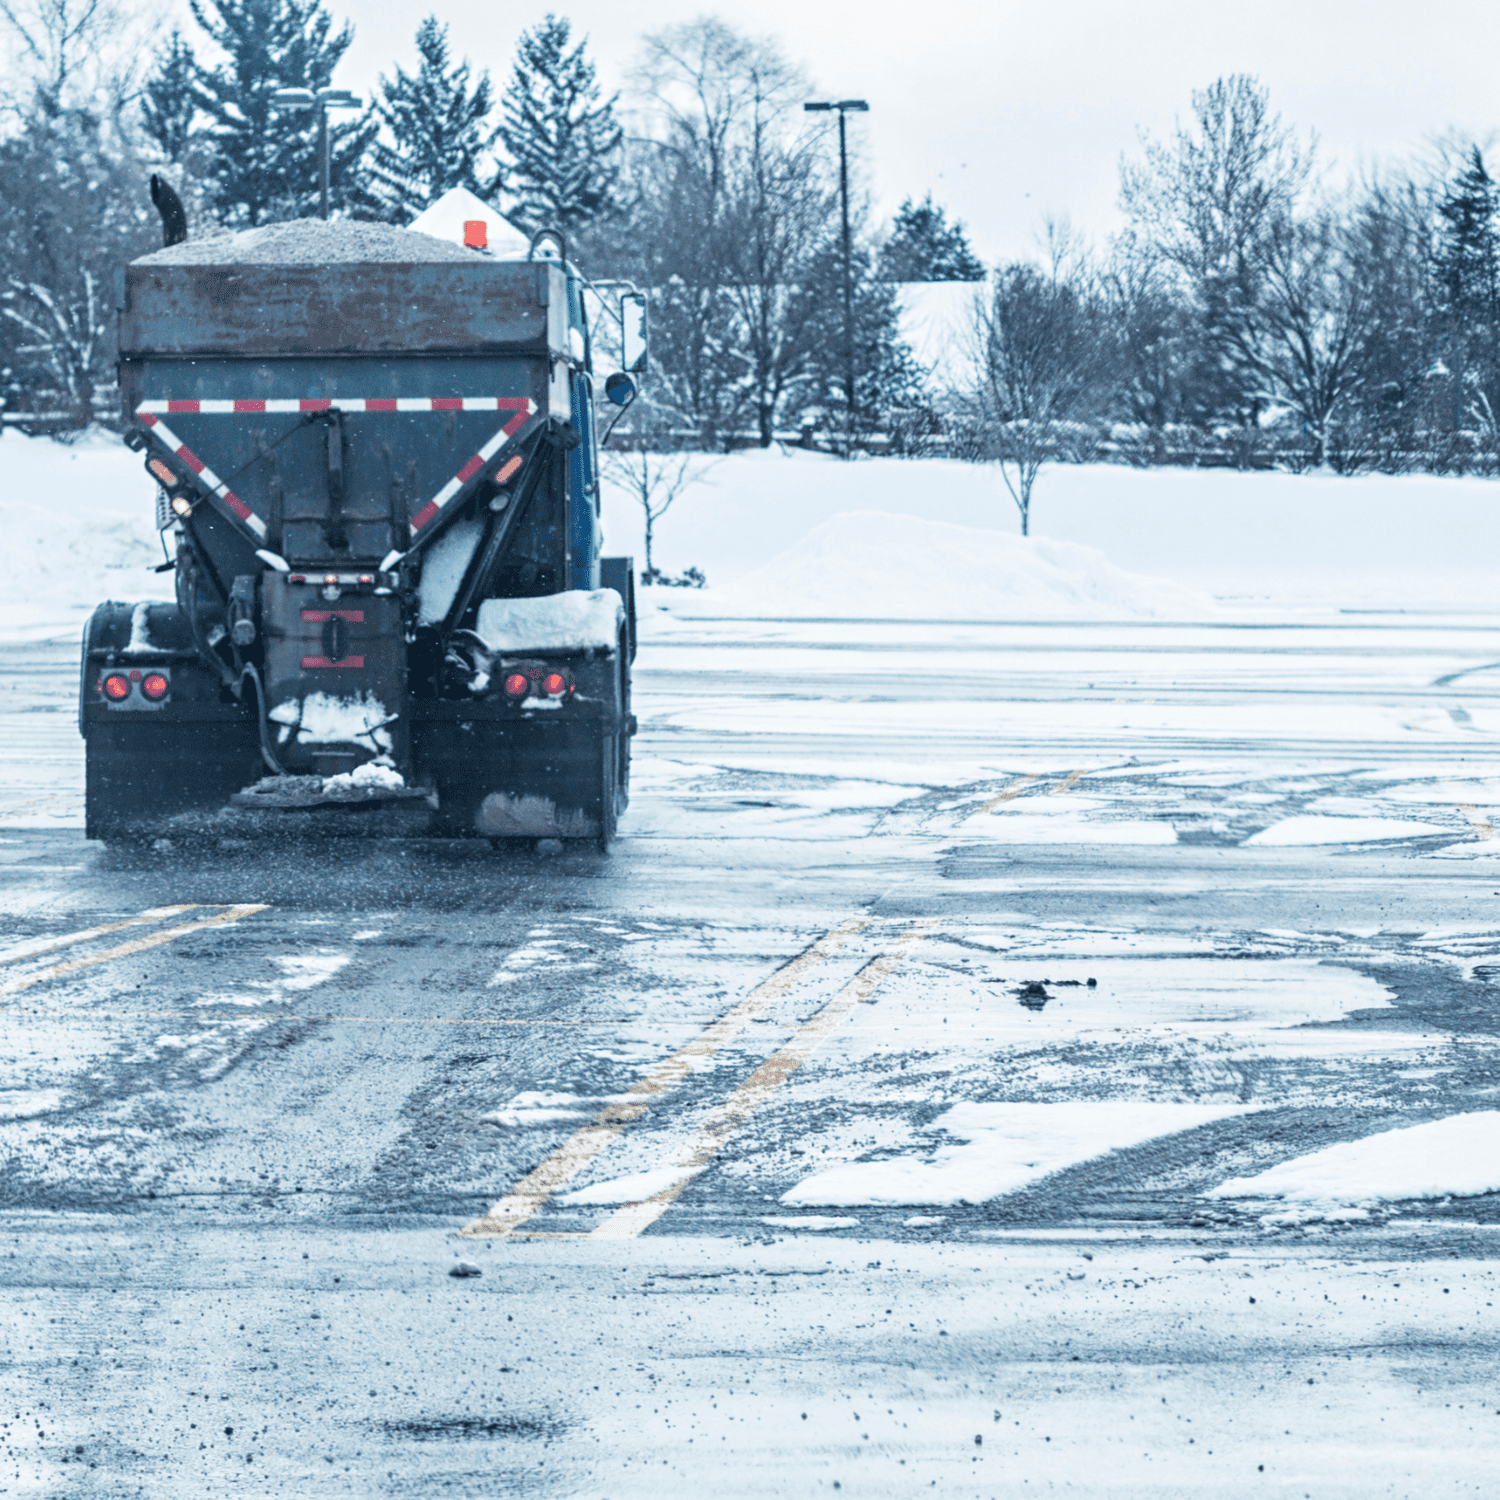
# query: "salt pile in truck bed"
363, 437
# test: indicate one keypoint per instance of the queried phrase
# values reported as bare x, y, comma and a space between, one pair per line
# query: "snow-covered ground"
79, 527
802, 534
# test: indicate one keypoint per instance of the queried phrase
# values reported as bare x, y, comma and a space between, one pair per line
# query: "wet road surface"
852, 1125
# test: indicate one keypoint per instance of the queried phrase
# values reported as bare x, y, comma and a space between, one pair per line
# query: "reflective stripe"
299, 404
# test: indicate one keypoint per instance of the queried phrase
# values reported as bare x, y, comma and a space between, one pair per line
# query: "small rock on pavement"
465, 1268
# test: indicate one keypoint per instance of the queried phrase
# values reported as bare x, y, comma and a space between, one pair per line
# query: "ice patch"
1458, 1157
578, 620
1069, 827
27, 1104
633, 1189
1313, 829
814, 1222
304, 971
1001, 1147
543, 1109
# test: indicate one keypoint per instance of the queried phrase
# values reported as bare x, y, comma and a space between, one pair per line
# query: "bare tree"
1203, 202
655, 481
1304, 334
733, 210
1044, 357
72, 53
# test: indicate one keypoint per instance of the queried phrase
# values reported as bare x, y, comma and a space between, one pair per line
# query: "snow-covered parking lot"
1013, 1048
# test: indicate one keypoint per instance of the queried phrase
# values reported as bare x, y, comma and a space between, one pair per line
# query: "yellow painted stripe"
124, 950
25, 809
38, 946
530, 1195
1063, 786
1013, 790
1477, 820
712, 1135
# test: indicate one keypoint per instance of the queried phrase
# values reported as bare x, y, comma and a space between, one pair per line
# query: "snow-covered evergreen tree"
561, 137
265, 162
1466, 263
440, 135
924, 246
169, 106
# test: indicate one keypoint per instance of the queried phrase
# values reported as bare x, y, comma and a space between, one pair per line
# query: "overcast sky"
1009, 111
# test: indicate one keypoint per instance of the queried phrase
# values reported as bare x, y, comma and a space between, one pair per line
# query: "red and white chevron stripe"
521, 407
204, 473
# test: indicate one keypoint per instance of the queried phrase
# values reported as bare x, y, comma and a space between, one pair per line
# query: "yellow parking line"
1013, 790
710, 1137
36, 947
25, 809
1477, 820
1063, 786
124, 950
530, 1195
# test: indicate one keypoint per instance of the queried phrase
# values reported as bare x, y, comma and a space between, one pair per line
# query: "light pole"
322, 101
844, 106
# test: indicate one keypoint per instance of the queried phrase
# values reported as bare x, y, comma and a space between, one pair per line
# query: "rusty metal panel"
366, 308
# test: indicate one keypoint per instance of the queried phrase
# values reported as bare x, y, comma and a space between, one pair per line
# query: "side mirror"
633, 338
620, 389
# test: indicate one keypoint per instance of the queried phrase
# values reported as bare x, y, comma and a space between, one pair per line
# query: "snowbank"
1457, 1157
874, 565
79, 528
578, 620
1410, 541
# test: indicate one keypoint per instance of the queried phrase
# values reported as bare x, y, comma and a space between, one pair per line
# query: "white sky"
1010, 111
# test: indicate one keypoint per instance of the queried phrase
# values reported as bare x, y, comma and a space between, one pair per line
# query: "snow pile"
78, 521
310, 242
1457, 1157
998, 1148
578, 620
875, 565
371, 776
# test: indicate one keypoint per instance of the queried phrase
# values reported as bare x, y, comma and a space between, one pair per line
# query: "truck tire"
609, 790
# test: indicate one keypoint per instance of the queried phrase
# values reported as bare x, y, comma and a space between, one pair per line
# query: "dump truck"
378, 486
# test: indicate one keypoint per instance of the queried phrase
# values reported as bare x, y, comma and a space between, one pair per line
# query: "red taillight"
161, 472
517, 684
116, 687
155, 686
554, 684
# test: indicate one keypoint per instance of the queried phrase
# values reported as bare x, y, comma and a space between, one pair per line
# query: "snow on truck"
377, 461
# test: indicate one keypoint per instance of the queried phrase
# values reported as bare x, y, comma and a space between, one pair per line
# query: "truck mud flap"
520, 778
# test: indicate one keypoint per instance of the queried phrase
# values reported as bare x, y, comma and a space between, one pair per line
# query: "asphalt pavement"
852, 1126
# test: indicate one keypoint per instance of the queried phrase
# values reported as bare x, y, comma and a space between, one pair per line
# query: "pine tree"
1467, 259
265, 161
440, 130
924, 247
562, 139
169, 107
